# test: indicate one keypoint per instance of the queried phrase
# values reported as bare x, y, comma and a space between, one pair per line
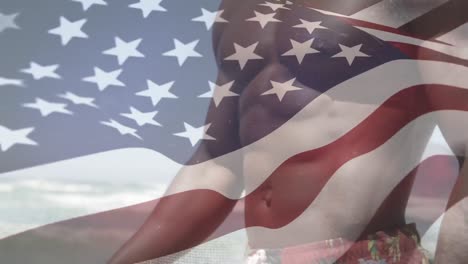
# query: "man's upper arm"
454, 128
454, 124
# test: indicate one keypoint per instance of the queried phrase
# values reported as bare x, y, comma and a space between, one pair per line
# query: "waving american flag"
93, 90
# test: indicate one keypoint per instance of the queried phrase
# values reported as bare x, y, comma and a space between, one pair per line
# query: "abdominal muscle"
293, 186
289, 191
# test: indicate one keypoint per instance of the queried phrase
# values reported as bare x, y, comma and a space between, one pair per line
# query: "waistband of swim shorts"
395, 245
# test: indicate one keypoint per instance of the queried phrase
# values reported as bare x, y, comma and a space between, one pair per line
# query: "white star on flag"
301, 49
8, 81
123, 130
263, 19
104, 79
8, 21
244, 54
183, 51
309, 26
218, 93
142, 118
124, 50
195, 134
78, 100
350, 53
157, 92
209, 18
148, 6
39, 72
88, 3
9, 138
280, 89
46, 108
69, 30
274, 6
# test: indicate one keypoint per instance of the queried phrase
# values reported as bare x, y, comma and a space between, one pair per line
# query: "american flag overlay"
292, 121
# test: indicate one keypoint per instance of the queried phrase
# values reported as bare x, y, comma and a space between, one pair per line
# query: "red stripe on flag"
439, 21
421, 53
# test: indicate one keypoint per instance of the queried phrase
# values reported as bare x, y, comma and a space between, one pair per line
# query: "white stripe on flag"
328, 12
122, 166
395, 13
457, 37
82, 186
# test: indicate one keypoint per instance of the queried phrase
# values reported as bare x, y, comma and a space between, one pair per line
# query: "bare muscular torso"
291, 188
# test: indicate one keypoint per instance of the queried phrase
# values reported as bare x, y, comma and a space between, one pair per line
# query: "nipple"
268, 196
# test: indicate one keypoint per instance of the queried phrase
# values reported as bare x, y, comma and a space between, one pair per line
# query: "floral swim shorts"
397, 246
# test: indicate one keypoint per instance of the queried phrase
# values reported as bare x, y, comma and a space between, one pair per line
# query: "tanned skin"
279, 199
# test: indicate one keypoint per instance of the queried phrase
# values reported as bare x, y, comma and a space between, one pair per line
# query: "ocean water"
29, 203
